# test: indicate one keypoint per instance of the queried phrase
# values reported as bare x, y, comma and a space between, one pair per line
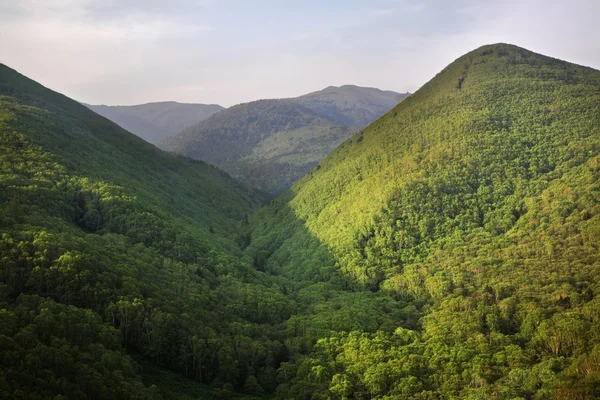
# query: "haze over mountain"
449, 250
154, 122
269, 144
351, 105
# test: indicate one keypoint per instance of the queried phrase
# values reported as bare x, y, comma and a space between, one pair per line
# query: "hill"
271, 143
476, 201
110, 247
268, 144
154, 122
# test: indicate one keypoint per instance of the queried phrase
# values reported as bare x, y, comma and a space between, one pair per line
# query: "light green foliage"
476, 201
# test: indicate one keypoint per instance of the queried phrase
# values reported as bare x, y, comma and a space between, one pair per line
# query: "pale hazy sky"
232, 51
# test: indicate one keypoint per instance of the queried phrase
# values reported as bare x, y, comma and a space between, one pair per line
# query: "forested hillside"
476, 201
110, 247
154, 122
270, 144
122, 272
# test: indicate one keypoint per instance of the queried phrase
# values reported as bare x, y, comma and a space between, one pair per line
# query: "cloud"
65, 44
228, 51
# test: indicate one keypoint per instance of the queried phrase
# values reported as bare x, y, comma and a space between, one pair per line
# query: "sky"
121, 52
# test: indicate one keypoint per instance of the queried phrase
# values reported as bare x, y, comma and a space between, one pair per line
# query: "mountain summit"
477, 200
351, 105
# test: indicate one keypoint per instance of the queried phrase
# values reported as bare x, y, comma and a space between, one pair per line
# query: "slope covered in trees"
110, 246
476, 201
272, 143
154, 122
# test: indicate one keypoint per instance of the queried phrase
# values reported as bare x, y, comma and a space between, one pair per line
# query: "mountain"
269, 144
476, 201
111, 247
154, 122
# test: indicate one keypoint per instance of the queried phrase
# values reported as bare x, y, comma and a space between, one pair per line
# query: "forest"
449, 250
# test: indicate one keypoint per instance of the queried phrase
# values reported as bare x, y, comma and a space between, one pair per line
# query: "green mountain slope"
477, 201
450, 250
272, 143
107, 244
154, 122
122, 273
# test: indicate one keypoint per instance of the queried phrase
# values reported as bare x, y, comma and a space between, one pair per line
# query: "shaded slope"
94, 147
154, 122
477, 196
107, 244
272, 143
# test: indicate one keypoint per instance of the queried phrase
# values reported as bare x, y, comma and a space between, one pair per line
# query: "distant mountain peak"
273, 142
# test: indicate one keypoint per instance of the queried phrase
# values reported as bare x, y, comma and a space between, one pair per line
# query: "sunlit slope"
477, 200
464, 152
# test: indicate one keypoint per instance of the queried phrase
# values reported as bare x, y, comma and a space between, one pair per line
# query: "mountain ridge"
156, 121
298, 132
475, 200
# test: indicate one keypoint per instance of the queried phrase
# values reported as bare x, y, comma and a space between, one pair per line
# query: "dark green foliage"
129, 248
49, 350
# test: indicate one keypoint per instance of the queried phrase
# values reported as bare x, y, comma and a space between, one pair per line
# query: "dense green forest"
476, 202
450, 250
111, 248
